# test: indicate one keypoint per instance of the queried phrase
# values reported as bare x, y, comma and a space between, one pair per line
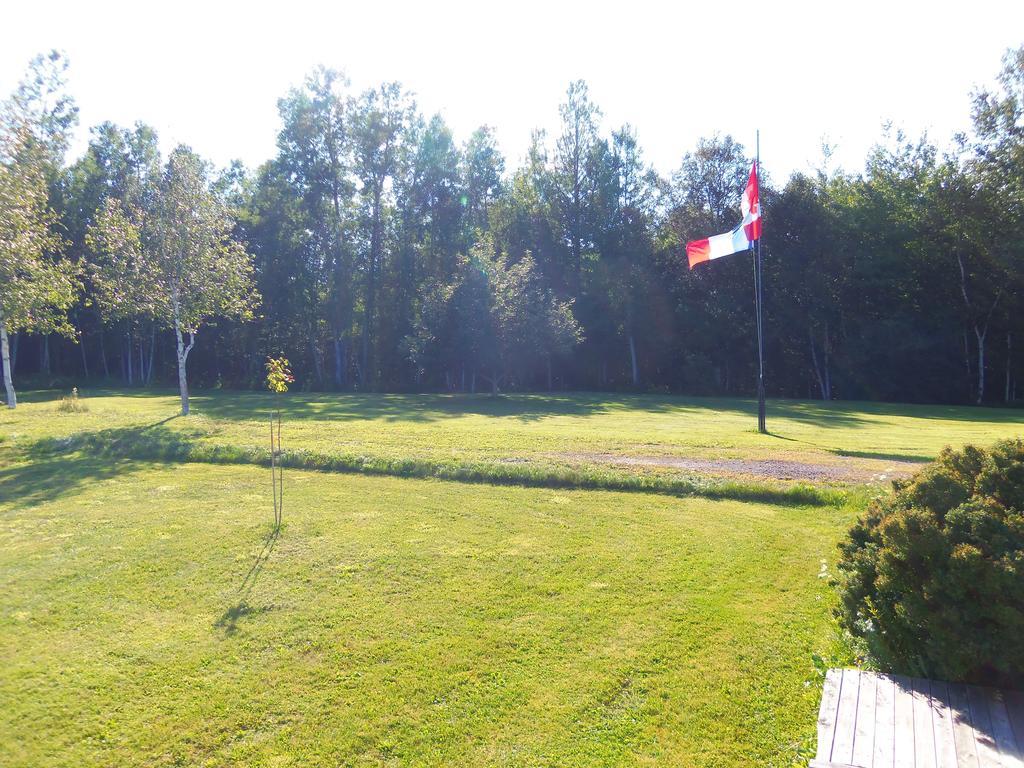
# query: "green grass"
562, 440
148, 618
148, 615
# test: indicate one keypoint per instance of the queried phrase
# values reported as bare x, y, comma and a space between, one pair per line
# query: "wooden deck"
870, 720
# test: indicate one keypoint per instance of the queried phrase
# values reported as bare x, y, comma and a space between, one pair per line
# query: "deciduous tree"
37, 287
174, 259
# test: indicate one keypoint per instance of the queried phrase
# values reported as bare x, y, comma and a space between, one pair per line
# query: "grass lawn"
529, 437
149, 616
149, 619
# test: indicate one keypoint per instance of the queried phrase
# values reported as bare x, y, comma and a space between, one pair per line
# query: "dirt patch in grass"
840, 470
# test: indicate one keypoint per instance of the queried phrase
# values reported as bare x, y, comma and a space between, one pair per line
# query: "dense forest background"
391, 255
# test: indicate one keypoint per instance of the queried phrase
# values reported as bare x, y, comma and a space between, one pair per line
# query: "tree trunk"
183, 351
632, 361
814, 362
85, 358
1007, 397
128, 360
821, 372
44, 356
967, 364
103, 358
826, 349
152, 354
14, 352
549, 374
344, 362
981, 363
371, 282
12, 399
980, 328
318, 368
338, 365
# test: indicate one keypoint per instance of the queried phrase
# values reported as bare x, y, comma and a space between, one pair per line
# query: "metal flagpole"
758, 294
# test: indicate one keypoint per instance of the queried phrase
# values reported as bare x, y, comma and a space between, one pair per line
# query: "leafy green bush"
932, 576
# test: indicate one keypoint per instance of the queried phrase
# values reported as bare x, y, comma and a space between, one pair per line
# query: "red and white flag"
741, 238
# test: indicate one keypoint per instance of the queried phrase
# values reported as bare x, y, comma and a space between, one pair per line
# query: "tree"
36, 287
174, 259
124, 164
497, 317
315, 153
379, 121
998, 167
968, 218
429, 234
623, 229
482, 170
35, 290
525, 321
811, 269
572, 177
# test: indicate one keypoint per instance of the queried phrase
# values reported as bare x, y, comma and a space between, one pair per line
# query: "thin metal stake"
280, 472
273, 469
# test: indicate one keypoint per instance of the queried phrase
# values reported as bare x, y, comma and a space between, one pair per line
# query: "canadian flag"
740, 239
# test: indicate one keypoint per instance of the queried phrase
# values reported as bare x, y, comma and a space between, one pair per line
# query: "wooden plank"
864, 732
903, 745
924, 738
1002, 731
988, 756
942, 727
963, 728
1015, 709
885, 722
869, 720
846, 718
827, 713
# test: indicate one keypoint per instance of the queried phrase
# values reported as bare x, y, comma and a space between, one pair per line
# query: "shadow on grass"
241, 609
901, 457
247, 405
48, 478
524, 407
402, 408
230, 618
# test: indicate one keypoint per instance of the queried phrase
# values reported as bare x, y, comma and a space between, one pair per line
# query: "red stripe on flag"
752, 203
698, 252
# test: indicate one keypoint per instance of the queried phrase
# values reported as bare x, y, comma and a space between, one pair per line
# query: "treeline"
389, 256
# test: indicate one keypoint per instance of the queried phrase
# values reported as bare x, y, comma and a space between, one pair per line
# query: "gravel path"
843, 469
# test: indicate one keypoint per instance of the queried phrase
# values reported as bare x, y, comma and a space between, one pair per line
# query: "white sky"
209, 73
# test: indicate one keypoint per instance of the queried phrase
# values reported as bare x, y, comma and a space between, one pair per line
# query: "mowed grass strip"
149, 617
161, 444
